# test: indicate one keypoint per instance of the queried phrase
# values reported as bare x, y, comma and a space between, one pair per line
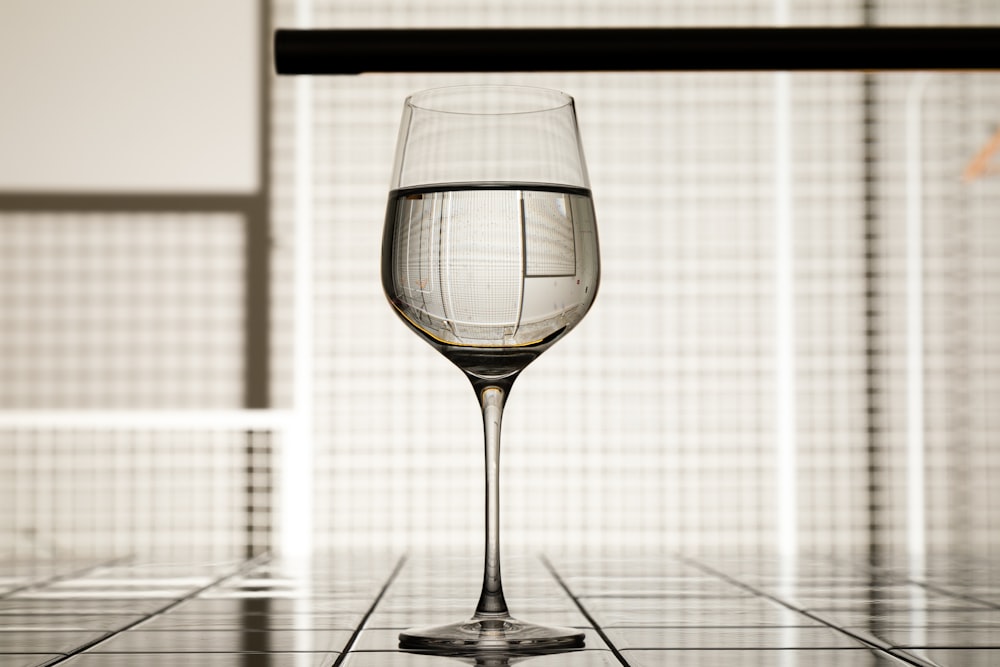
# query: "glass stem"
491, 602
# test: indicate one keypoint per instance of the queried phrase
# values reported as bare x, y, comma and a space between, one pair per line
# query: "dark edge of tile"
56, 657
903, 654
583, 610
346, 650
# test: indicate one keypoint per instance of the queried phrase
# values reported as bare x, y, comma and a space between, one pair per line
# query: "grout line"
244, 567
61, 577
364, 620
583, 610
874, 642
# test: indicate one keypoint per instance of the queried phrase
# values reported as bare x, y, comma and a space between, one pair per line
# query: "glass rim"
537, 99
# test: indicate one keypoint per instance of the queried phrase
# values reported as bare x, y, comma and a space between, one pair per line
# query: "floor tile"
304, 621
959, 657
26, 659
17, 605
67, 622
656, 612
982, 637
46, 641
709, 638
263, 606
760, 657
224, 641
201, 660
662, 612
913, 618
617, 585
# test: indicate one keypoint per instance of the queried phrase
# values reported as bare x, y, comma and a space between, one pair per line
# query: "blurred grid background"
742, 382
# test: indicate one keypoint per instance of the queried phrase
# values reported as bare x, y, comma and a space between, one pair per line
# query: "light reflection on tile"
204, 606
224, 641
406, 619
710, 638
581, 658
26, 660
887, 598
982, 637
16, 606
761, 657
66, 622
663, 612
663, 586
960, 657
201, 660
344, 621
399, 603
890, 606
388, 640
907, 618
45, 641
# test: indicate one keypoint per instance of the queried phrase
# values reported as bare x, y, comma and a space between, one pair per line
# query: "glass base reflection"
502, 635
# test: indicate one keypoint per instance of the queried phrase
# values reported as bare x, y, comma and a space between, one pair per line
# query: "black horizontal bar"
357, 51
117, 202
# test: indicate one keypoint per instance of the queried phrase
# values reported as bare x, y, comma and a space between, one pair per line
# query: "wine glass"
490, 254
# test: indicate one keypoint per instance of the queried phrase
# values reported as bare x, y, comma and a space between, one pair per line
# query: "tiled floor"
348, 610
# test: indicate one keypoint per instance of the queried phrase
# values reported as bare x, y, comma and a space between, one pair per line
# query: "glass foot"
505, 634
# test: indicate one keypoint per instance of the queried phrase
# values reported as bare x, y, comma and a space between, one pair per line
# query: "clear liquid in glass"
491, 275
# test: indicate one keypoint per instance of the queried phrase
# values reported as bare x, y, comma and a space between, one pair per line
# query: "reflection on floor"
348, 609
